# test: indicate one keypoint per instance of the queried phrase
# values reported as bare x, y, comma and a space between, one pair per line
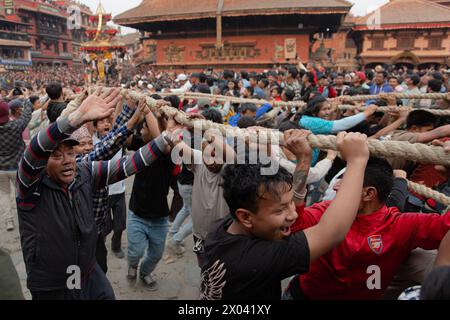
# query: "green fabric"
10, 288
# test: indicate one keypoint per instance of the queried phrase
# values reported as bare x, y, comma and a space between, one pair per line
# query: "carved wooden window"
377, 43
405, 42
434, 43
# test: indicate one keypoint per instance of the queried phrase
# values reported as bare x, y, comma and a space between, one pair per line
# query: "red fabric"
342, 273
176, 170
428, 175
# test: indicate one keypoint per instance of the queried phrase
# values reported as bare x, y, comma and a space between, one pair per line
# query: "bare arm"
296, 143
437, 133
338, 218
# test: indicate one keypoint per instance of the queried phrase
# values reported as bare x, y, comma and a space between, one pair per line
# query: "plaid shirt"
34, 162
295, 86
11, 141
108, 146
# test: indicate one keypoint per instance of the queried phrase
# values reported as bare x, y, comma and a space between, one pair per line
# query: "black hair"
33, 99
246, 122
54, 111
437, 75
265, 81
204, 89
244, 74
156, 96
248, 106
279, 90
293, 72
210, 81
251, 90
415, 79
436, 285
310, 77
174, 101
213, 115
420, 118
54, 91
369, 75
254, 76
379, 174
228, 74
202, 78
289, 94
314, 105
435, 85
243, 185
287, 124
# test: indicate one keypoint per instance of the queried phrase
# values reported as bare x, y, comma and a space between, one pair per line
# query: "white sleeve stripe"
32, 167
107, 172
142, 157
125, 169
39, 142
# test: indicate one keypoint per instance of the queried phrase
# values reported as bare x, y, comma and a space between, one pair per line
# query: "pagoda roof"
169, 10
102, 45
406, 14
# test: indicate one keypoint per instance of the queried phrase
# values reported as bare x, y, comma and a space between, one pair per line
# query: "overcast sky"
361, 7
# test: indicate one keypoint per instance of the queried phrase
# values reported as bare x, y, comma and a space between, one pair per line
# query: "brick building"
409, 32
37, 33
237, 34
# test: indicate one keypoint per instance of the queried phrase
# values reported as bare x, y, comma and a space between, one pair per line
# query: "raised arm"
25, 118
34, 160
338, 218
296, 143
113, 141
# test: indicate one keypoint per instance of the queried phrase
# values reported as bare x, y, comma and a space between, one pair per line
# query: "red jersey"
384, 238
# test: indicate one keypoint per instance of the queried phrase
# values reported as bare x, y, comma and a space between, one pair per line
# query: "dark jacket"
58, 232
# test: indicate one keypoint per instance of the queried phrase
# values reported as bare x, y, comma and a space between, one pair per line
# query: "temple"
228, 33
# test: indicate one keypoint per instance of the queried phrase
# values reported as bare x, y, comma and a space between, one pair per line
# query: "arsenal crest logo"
375, 243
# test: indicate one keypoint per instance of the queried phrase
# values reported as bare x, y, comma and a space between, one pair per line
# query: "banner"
290, 48
9, 7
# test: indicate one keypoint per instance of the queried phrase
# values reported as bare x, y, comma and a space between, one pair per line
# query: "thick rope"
398, 149
385, 149
437, 112
219, 98
429, 193
384, 96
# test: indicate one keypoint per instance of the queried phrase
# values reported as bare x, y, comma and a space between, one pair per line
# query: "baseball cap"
16, 103
195, 75
181, 77
4, 112
70, 141
361, 75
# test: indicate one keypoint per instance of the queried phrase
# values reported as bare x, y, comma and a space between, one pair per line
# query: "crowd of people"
339, 224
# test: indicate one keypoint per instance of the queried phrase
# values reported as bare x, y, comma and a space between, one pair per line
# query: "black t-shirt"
151, 186
240, 267
185, 177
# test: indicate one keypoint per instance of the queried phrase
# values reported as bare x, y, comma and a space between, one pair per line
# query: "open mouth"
67, 172
285, 231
